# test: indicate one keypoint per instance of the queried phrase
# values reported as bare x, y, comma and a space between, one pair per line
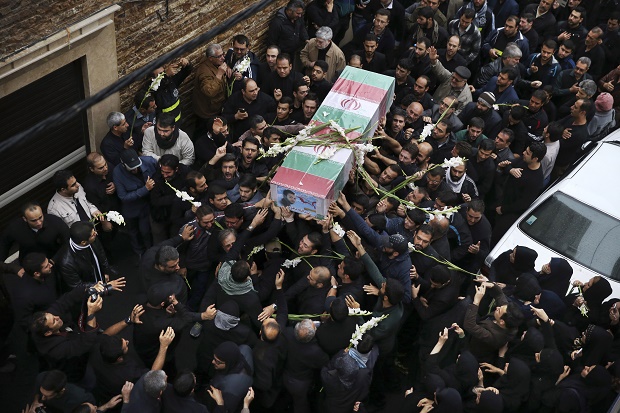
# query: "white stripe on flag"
351, 104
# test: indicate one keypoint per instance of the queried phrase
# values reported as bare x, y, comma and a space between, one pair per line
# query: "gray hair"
295, 4
588, 86
114, 119
165, 254
586, 60
212, 49
324, 33
304, 331
512, 50
154, 383
225, 233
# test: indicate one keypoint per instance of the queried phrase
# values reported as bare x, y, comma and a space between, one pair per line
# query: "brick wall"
141, 35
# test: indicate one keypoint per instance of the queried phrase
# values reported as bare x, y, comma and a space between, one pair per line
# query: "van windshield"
577, 231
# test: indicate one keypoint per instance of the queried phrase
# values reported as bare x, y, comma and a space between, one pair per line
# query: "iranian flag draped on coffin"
307, 184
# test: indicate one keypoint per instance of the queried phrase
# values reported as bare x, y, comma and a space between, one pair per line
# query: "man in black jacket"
288, 29
34, 231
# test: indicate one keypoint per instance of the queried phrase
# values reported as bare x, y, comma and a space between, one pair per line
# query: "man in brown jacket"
209, 92
322, 48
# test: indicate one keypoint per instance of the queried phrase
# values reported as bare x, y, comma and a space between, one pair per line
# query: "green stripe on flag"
344, 118
364, 76
304, 162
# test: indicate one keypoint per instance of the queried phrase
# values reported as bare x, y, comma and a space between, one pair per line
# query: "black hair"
353, 267
60, 178
248, 181
240, 271
476, 205
165, 120
322, 64
169, 160
33, 262
81, 231
448, 197
54, 381
538, 149
394, 291
339, 310
486, 145
234, 211
184, 383
476, 122
215, 190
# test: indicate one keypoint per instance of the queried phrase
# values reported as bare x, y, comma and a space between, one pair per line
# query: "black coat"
47, 240
78, 268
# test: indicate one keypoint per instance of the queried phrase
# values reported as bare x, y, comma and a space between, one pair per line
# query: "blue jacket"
397, 268
131, 190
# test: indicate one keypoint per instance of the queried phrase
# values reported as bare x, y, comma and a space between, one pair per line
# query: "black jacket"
47, 240
78, 268
290, 36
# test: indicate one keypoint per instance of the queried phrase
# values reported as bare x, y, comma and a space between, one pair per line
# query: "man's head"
53, 385
547, 50
145, 102
36, 265
205, 217
474, 129
421, 85
425, 17
218, 197
310, 105
511, 27
305, 331
168, 165
228, 163
290, 196
512, 54
271, 54
575, 18
587, 89
459, 77
272, 135
399, 117
284, 108
485, 150
544, 6
131, 161
310, 244
284, 65
167, 259
421, 47
526, 21
360, 204
117, 123
319, 70
510, 315
82, 233
390, 173
504, 138
403, 69
414, 111
425, 150
350, 269
453, 46
318, 277
355, 61
65, 183
294, 10
32, 214
250, 90
227, 238
466, 19
392, 291
248, 186
534, 153
594, 37
215, 54
300, 90
196, 182
423, 237
485, 102
241, 45
155, 382
506, 77
323, 36
165, 125
408, 154
581, 108
434, 177
370, 44
233, 216
257, 125
581, 67
97, 165
613, 23
381, 20
441, 132
475, 209
184, 383
565, 49
113, 348
537, 100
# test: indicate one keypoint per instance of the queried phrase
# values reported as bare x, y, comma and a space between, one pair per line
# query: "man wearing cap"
450, 83
133, 179
483, 109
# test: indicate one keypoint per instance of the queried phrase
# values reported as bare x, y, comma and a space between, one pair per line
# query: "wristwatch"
335, 287
128, 320
250, 228
275, 307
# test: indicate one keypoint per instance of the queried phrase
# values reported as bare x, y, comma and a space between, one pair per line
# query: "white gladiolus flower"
360, 331
338, 229
255, 250
157, 81
291, 263
453, 162
242, 65
426, 132
412, 186
410, 246
335, 127
116, 217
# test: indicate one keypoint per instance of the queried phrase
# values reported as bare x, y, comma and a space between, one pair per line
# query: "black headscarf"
229, 353
532, 343
595, 295
490, 403
504, 271
463, 375
448, 401
558, 280
514, 386
597, 345
593, 388
527, 287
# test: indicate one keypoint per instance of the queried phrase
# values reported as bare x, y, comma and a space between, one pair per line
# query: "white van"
577, 218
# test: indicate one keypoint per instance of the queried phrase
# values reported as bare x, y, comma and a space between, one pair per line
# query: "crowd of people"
493, 101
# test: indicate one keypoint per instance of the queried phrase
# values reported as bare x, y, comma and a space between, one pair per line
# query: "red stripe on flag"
359, 90
312, 184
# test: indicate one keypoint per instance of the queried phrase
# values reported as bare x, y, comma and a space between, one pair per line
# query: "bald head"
269, 330
440, 227
414, 111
